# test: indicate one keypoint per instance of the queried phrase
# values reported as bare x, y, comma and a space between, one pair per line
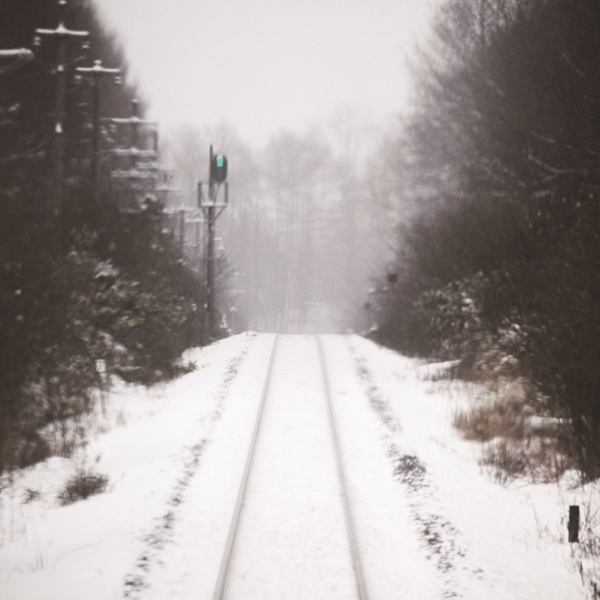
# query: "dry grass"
498, 411
536, 459
517, 441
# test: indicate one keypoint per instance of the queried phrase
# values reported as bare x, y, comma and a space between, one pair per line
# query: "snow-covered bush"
84, 309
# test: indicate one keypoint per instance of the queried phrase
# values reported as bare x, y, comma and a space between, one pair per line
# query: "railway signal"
212, 208
218, 168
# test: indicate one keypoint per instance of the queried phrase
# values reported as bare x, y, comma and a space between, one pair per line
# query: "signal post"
212, 207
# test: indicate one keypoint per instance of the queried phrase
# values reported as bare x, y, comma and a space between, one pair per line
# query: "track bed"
292, 531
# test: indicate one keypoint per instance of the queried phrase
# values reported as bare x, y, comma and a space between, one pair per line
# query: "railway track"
292, 533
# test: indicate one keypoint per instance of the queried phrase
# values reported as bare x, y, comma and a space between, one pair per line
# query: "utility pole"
96, 72
212, 209
134, 121
139, 175
62, 35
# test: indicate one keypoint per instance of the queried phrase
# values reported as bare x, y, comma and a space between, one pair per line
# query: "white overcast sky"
267, 65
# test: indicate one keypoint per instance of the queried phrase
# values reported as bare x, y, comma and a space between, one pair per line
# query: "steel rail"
361, 587
235, 519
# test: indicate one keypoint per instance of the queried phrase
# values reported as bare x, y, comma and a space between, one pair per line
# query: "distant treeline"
92, 283
308, 221
502, 155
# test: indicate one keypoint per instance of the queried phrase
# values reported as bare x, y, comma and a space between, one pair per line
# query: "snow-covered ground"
430, 523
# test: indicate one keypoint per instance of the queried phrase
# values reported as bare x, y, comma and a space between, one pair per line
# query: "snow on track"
395, 565
292, 540
190, 565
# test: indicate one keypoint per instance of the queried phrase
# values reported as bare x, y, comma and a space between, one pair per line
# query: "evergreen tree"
89, 284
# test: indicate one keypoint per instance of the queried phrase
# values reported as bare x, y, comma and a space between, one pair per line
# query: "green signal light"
218, 168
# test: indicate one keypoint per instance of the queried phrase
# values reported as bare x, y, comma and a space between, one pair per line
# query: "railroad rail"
350, 527
220, 592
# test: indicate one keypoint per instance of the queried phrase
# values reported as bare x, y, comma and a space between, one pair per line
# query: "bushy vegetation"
501, 155
91, 283
519, 438
81, 486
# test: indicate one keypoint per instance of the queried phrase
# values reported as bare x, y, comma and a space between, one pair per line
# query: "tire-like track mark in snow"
162, 532
438, 536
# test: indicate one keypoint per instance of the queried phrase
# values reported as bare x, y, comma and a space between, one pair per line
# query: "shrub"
536, 459
81, 486
21, 446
